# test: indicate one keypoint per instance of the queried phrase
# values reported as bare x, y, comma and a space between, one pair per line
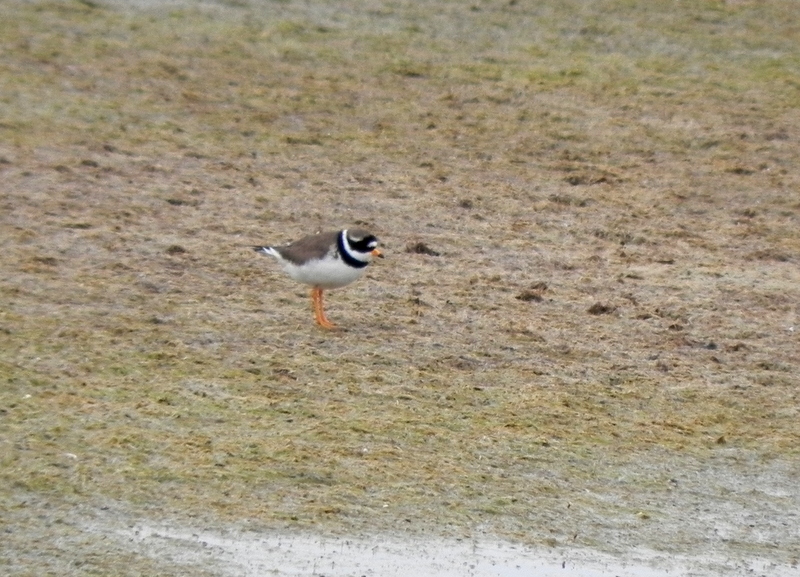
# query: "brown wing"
308, 248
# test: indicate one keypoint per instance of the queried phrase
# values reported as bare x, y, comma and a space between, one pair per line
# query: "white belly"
325, 274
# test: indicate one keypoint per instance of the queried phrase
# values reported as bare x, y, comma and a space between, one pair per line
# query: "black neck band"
346, 256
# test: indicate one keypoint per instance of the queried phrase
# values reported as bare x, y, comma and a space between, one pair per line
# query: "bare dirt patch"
585, 333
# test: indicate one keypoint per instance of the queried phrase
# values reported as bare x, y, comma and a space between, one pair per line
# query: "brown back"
311, 247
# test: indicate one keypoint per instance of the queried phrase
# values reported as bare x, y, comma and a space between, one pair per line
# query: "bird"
326, 260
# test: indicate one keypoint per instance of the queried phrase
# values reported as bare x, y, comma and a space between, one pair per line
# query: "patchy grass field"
604, 352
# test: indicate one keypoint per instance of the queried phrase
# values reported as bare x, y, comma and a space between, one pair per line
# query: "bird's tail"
267, 250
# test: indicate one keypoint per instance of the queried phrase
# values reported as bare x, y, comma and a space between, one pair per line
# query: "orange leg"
319, 311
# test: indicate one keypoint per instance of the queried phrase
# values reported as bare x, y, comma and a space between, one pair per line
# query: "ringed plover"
327, 260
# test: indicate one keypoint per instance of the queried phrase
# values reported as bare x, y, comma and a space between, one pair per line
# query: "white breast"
326, 273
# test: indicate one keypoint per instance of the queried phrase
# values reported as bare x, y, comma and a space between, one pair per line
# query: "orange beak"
377, 253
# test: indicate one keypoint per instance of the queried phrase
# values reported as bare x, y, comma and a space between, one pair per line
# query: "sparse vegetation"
640, 157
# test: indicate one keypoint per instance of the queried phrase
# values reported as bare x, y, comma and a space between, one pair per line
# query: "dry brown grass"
612, 189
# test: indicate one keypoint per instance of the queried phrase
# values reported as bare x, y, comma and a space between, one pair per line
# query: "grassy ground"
605, 346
